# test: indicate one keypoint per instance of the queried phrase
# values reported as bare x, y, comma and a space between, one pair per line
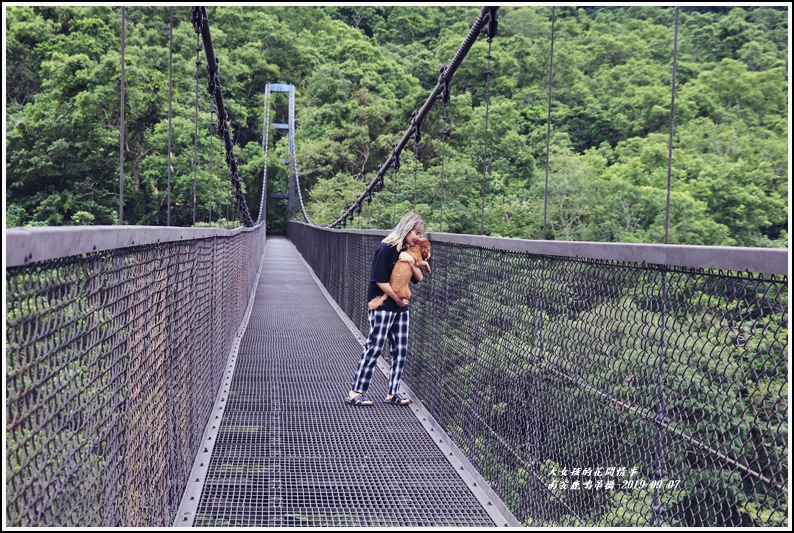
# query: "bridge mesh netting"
289, 452
113, 363
594, 392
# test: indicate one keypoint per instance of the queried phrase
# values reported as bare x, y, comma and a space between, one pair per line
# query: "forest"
360, 71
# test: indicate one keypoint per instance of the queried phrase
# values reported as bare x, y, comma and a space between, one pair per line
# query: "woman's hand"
408, 258
388, 291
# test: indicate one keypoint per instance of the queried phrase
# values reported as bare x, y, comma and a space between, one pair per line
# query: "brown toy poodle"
402, 272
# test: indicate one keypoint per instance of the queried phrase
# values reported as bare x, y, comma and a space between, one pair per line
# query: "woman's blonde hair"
408, 222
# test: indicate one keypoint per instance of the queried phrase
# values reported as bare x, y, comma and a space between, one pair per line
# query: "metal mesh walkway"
289, 451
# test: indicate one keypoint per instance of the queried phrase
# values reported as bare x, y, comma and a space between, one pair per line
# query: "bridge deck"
289, 451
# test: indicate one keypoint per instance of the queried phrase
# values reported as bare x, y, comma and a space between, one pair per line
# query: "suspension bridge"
161, 376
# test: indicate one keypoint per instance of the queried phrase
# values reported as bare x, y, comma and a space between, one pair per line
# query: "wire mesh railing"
597, 384
114, 355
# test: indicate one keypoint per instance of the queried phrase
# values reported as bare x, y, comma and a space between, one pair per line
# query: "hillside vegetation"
360, 71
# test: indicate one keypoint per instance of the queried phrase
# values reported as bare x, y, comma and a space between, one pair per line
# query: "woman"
389, 321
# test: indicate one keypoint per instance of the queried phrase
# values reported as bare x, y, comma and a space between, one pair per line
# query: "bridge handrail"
540, 356
26, 245
117, 339
742, 259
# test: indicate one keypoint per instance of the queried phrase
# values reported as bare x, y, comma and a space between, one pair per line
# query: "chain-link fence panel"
113, 363
595, 392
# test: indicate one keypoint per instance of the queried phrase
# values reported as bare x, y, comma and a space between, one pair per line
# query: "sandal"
398, 400
358, 400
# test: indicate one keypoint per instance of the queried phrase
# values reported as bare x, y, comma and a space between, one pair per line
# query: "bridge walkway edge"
283, 449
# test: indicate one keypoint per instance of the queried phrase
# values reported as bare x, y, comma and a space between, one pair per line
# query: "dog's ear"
426, 249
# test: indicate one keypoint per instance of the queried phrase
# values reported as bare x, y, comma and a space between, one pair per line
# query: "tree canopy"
359, 72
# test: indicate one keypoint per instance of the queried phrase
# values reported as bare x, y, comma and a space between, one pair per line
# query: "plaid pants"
383, 325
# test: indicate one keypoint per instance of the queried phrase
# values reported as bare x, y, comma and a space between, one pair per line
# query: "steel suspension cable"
212, 125
548, 121
195, 136
444, 101
416, 169
170, 325
292, 158
417, 136
485, 148
293, 162
538, 382
487, 13
380, 207
491, 32
122, 132
661, 412
443, 161
265, 148
294, 166
396, 165
201, 25
394, 198
228, 194
220, 184
235, 208
170, 99
672, 126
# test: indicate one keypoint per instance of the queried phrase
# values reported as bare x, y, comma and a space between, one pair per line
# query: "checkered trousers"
383, 326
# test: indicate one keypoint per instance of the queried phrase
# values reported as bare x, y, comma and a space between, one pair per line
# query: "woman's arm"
417, 273
388, 291
408, 258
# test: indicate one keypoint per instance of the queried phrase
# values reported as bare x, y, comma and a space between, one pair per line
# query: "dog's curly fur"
402, 272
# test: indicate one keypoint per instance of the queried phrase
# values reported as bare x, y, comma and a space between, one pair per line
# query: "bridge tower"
289, 127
